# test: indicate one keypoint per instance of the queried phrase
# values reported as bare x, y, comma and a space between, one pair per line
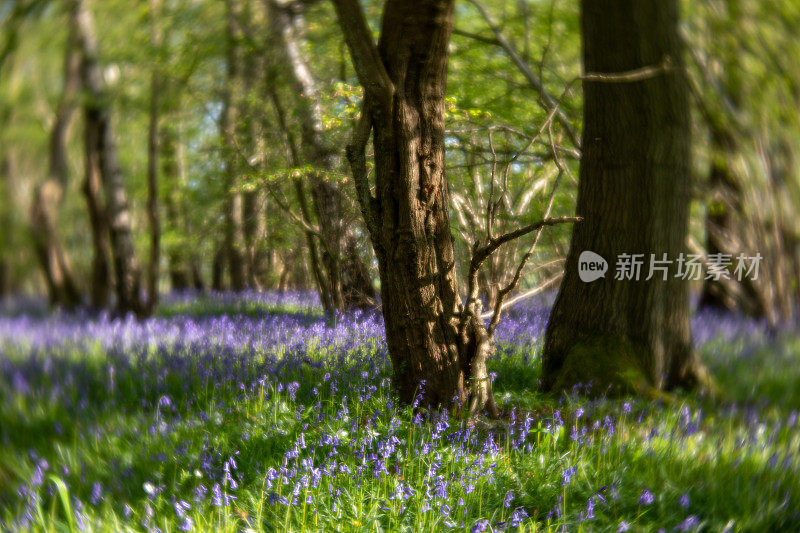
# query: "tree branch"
523, 67
483, 252
367, 61
356, 156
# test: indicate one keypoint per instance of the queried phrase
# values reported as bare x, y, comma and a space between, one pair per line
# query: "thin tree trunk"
337, 238
633, 196
233, 207
218, 269
152, 163
100, 289
253, 224
5, 217
177, 266
47, 197
102, 150
293, 158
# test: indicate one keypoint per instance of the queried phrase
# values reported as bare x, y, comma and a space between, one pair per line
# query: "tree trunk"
633, 195
4, 278
218, 269
336, 236
177, 265
152, 163
726, 227
357, 286
437, 349
100, 291
5, 218
52, 256
234, 211
102, 152
293, 159
726, 231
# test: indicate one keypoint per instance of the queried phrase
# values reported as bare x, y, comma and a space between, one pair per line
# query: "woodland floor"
252, 412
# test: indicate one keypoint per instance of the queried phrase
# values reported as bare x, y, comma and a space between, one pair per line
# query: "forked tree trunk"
634, 197
433, 344
726, 230
102, 160
47, 197
293, 159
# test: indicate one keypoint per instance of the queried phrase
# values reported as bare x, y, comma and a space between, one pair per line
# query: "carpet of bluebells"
255, 412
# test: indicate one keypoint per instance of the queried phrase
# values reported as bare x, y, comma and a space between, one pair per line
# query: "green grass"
736, 458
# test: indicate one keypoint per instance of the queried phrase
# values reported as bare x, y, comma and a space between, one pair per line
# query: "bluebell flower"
566, 476
690, 523
684, 501
508, 499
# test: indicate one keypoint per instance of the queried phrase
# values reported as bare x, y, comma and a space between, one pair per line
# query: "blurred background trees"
228, 120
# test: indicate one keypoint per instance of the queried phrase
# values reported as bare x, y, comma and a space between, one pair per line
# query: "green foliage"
698, 458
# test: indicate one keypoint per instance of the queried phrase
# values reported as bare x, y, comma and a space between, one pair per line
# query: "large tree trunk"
337, 239
633, 195
102, 158
233, 206
53, 257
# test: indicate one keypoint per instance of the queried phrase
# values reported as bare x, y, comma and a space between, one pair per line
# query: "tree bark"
634, 197
430, 343
152, 162
100, 291
5, 217
337, 238
177, 264
233, 206
102, 156
61, 285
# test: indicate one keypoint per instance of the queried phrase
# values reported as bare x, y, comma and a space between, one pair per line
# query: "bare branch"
638, 74
498, 307
533, 80
476, 37
483, 252
527, 294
